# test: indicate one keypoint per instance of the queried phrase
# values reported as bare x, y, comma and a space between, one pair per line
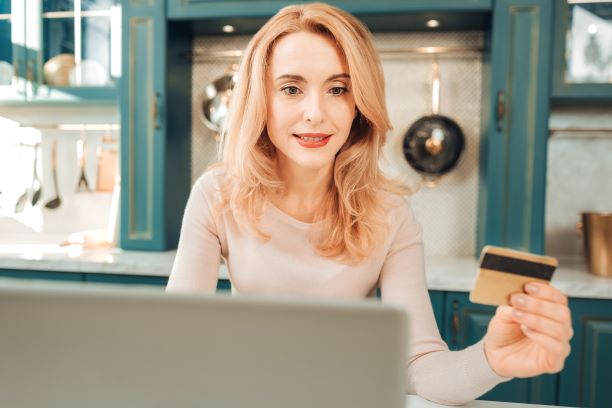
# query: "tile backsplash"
579, 175
447, 211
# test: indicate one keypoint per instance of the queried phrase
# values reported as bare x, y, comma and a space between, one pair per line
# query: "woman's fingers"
560, 350
558, 331
555, 311
546, 302
545, 292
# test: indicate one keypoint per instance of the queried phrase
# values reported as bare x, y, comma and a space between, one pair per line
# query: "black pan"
434, 143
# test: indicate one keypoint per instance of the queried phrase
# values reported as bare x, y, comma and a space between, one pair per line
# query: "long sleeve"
198, 254
433, 371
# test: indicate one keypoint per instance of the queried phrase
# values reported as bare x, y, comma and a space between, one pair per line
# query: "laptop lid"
78, 345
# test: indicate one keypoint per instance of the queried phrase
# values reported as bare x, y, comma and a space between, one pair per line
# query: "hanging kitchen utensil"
57, 201
36, 184
23, 198
83, 184
434, 143
107, 163
215, 100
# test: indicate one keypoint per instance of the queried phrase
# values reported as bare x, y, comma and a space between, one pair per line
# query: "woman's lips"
312, 140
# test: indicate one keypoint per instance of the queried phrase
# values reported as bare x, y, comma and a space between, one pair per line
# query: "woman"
298, 206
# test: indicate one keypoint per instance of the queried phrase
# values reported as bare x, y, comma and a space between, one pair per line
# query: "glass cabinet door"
589, 43
79, 43
12, 51
60, 50
583, 50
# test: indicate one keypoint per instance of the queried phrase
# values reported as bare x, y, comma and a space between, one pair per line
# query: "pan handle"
435, 88
500, 110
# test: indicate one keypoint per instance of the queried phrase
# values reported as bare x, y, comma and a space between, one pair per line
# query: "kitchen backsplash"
447, 211
579, 176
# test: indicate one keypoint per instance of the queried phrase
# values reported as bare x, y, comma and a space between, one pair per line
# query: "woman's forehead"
305, 52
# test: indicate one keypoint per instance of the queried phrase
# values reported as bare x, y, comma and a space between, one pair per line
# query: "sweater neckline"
288, 218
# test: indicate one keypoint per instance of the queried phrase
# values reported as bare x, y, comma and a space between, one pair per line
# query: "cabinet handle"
155, 111
456, 322
501, 110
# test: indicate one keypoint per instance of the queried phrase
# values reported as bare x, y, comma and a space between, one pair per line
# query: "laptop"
92, 345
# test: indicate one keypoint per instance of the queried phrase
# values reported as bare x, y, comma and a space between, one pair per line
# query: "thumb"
503, 330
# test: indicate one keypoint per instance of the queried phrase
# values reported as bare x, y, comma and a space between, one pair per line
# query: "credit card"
505, 271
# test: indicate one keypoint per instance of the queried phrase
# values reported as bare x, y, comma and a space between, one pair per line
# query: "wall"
447, 211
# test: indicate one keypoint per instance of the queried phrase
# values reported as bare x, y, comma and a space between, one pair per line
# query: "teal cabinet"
223, 285
465, 324
155, 135
582, 58
515, 126
41, 275
437, 302
215, 9
585, 379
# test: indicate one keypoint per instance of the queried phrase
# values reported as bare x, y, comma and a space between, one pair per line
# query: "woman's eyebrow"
302, 79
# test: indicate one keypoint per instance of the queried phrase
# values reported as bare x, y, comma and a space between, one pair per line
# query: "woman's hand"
532, 336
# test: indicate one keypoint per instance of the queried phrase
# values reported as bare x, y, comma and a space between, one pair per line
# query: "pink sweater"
288, 264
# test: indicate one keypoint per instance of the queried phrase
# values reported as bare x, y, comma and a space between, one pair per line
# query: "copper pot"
597, 231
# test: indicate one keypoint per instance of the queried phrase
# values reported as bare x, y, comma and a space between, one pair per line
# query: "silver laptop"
85, 345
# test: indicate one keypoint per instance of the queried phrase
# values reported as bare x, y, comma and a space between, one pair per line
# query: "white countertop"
448, 274
413, 401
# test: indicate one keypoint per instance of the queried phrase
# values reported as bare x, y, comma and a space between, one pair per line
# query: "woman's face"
310, 103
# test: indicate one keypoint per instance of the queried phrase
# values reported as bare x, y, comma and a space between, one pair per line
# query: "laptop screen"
67, 344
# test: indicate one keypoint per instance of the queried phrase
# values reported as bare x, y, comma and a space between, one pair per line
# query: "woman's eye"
338, 90
291, 90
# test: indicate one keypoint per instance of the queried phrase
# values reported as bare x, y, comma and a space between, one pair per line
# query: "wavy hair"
354, 211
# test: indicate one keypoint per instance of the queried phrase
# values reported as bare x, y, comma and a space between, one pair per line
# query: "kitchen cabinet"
215, 9
437, 302
585, 379
222, 284
60, 52
155, 127
42, 275
516, 101
466, 323
582, 53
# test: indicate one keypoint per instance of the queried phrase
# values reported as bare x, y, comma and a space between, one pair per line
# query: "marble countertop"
414, 401
443, 273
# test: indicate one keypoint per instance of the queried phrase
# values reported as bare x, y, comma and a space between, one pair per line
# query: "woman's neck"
304, 190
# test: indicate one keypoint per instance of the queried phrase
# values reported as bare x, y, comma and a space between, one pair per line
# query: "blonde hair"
354, 212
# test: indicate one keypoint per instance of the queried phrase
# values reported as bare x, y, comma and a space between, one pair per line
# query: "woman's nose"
313, 108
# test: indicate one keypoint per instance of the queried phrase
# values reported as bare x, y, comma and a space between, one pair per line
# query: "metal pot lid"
433, 144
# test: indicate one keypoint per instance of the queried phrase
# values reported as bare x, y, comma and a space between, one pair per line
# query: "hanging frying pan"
215, 99
434, 143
